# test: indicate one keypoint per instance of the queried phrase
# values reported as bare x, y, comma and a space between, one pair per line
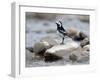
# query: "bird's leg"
62, 40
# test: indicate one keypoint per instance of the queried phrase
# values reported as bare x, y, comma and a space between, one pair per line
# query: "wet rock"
49, 40
60, 51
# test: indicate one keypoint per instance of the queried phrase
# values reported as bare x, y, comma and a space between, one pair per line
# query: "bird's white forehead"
58, 23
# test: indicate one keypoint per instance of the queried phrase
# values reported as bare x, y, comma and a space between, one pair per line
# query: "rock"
79, 55
85, 42
73, 57
30, 49
61, 51
75, 34
87, 47
82, 35
40, 47
71, 32
51, 57
29, 55
49, 40
41, 53
79, 37
67, 46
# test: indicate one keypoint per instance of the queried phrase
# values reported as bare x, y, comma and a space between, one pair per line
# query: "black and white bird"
71, 33
61, 30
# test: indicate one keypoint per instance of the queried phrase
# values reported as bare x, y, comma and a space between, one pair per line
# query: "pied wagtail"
61, 30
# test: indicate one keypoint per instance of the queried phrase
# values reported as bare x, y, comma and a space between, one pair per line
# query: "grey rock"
30, 49
40, 47
60, 51
79, 37
51, 57
71, 32
85, 42
29, 55
49, 40
80, 55
73, 57
75, 34
87, 47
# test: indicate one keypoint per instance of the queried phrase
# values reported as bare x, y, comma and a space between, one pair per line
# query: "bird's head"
59, 24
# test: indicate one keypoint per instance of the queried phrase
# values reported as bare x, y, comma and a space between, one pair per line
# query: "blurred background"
39, 25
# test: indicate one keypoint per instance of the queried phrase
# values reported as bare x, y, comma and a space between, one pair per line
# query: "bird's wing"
62, 31
62, 28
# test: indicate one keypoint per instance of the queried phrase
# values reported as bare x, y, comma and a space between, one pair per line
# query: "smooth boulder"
80, 36
60, 51
75, 34
71, 32
49, 40
40, 47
